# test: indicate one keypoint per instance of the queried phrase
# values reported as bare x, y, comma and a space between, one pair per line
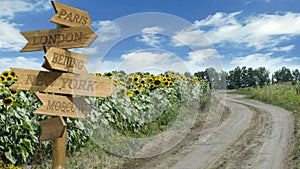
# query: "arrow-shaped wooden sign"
76, 37
63, 60
57, 105
52, 128
64, 83
70, 16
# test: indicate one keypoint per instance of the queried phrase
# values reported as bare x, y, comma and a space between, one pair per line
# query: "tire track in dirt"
253, 135
276, 142
209, 151
243, 149
262, 142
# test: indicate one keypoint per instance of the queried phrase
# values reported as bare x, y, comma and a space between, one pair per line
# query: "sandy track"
276, 141
268, 151
254, 135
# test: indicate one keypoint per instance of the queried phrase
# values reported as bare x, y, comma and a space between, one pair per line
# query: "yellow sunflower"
129, 79
166, 83
6, 73
137, 91
98, 74
14, 92
167, 75
156, 82
3, 78
150, 80
142, 81
140, 86
109, 74
12, 74
129, 93
8, 101
136, 78
9, 78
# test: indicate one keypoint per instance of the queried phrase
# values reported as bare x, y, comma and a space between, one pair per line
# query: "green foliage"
243, 77
154, 105
20, 129
141, 102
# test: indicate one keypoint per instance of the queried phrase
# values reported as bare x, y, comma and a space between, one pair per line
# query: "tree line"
241, 77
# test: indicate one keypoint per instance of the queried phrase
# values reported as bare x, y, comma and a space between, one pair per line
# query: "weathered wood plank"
70, 16
63, 83
63, 60
76, 37
52, 128
56, 105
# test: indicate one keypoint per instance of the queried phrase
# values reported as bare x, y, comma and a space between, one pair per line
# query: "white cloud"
259, 31
150, 37
10, 37
94, 66
202, 55
107, 30
137, 61
200, 59
86, 51
9, 8
265, 60
283, 49
151, 60
191, 37
155, 61
218, 19
20, 62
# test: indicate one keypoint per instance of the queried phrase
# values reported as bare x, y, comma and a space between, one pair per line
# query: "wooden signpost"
76, 37
58, 105
62, 83
59, 59
69, 16
52, 128
68, 75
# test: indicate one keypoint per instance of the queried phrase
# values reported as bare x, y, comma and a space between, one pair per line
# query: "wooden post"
59, 151
60, 79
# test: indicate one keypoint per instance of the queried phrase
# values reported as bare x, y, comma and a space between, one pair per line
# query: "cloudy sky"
157, 35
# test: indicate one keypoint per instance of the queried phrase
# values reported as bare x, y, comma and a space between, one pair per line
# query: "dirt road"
254, 135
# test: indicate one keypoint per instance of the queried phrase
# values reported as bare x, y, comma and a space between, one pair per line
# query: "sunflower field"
142, 105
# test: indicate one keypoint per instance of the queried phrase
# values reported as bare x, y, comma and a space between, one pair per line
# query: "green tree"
282, 75
244, 77
262, 76
251, 77
296, 76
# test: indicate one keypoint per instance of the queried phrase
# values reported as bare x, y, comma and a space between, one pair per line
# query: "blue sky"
157, 35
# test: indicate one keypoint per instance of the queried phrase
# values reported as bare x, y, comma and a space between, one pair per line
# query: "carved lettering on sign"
57, 105
70, 16
64, 60
61, 37
36, 81
57, 38
64, 83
